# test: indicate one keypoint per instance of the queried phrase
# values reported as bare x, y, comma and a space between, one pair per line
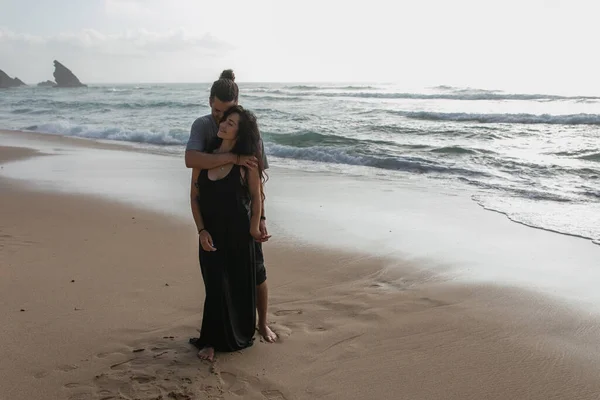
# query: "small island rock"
64, 77
47, 83
8, 82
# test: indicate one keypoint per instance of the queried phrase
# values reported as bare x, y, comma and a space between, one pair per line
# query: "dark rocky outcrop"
8, 82
47, 83
64, 77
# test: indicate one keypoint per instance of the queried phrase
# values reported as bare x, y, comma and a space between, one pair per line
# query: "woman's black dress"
229, 273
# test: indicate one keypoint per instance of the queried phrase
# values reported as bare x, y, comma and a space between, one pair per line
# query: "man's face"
219, 107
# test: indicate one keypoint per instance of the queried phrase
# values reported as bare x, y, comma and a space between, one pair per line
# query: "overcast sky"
527, 45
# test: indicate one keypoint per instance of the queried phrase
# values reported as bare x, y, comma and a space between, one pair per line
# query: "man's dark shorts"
261, 272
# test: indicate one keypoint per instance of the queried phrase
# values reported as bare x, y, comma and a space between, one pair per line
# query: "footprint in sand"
41, 374
80, 391
82, 396
433, 302
273, 395
143, 378
162, 371
247, 387
281, 313
175, 374
143, 391
398, 285
232, 384
228, 380
73, 385
105, 395
67, 367
14, 241
179, 396
347, 308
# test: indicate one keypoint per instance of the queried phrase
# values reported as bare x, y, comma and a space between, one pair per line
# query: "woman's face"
228, 128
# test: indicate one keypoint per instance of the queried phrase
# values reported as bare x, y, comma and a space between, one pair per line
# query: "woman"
227, 214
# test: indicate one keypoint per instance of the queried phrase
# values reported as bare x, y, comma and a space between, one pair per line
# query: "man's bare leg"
262, 304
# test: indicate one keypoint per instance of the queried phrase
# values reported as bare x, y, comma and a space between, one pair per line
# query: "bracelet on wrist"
263, 218
200, 231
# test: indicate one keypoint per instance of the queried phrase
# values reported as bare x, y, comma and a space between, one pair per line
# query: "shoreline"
352, 324
507, 215
407, 219
353, 171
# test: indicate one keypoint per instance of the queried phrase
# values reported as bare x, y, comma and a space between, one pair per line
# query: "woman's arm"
255, 187
194, 196
206, 240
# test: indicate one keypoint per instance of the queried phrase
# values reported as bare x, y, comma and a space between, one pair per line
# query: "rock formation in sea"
64, 77
8, 82
47, 83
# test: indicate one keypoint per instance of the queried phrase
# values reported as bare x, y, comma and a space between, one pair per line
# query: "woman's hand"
206, 241
263, 229
259, 235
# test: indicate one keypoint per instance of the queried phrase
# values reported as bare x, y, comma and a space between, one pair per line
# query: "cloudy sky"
540, 45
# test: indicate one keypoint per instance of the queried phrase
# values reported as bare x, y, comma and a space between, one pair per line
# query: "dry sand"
99, 299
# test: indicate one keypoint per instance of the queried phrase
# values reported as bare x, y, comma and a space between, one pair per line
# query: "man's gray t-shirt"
204, 129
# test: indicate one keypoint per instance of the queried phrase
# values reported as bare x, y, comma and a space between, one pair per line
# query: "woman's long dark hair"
248, 140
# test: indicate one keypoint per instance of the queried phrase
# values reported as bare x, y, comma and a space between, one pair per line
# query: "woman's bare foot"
207, 353
267, 333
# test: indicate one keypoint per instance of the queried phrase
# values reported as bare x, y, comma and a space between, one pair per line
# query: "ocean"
532, 157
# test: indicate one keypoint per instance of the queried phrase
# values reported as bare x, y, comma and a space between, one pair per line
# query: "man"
223, 95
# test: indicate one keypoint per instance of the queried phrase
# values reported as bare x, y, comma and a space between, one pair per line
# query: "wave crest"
570, 119
466, 95
335, 155
591, 157
166, 138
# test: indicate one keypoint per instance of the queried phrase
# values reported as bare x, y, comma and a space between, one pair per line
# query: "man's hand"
247, 161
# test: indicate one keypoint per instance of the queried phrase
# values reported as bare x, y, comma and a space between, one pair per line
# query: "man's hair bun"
227, 74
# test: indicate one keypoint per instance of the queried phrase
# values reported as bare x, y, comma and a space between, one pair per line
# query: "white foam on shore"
438, 227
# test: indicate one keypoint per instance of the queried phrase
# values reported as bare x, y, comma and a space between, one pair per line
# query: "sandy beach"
101, 290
